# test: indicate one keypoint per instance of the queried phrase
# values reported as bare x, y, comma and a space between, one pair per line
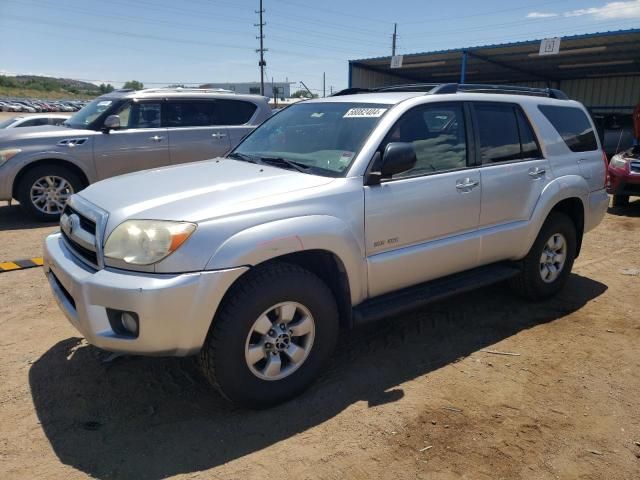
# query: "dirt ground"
415, 397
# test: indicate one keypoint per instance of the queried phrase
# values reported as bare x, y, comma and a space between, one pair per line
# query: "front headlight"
7, 154
618, 161
143, 242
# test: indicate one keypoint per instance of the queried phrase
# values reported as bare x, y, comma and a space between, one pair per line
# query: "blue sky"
197, 41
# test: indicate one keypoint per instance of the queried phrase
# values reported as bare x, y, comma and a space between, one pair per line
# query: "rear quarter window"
573, 125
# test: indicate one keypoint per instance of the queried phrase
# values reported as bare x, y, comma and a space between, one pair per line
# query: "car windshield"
323, 138
84, 117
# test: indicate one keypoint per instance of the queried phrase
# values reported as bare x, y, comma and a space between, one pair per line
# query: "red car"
624, 169
624, 176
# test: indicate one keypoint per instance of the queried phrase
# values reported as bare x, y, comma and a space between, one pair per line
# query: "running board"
410, 298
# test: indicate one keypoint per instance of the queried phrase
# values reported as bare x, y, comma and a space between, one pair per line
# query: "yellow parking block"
21, 264
5, 266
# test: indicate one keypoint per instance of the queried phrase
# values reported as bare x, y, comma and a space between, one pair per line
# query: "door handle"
466, 184
536, 172
156, 138
218, 135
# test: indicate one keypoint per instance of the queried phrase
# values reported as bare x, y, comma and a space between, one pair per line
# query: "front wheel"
44, 190
272, 336
548, 264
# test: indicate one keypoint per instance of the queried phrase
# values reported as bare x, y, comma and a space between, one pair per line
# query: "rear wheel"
548, 264
44, 190
271, 337
620, 200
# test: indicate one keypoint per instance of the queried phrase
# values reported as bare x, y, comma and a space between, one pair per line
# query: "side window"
530, 149
233, 112
56, 121
190, 113
498, 131
124, 112
573, 126
145, 115
437, 132
34, 122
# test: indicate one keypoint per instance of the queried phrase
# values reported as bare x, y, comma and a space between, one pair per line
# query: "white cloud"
541, 15
627, 10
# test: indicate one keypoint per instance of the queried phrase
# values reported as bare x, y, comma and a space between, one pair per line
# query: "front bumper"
174, 310
623, 183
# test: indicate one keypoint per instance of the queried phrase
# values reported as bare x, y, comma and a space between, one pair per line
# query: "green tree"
134, 84
303, 94
106, 88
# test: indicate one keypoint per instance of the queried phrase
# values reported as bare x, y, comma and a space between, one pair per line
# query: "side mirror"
112, 122
398, 157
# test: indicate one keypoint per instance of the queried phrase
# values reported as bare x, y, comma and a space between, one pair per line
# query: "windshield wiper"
283, 162
243, 157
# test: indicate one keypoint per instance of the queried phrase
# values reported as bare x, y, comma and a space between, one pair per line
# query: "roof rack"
186, 89
500, 89
443, 88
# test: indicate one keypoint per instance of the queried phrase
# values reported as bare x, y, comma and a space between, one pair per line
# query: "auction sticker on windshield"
364, 112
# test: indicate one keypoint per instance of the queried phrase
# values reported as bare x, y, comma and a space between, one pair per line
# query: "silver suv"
118, 133
333, 213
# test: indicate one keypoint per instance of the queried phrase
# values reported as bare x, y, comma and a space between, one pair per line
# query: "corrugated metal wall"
610, 91
618, 91
364, 78
593, 92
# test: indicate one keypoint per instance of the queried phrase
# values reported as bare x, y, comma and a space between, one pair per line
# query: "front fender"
559, 189
315, 232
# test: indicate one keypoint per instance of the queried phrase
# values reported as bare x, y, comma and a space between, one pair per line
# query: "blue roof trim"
511, 44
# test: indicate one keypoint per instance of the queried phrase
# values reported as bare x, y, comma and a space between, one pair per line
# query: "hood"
34, 133
197, 191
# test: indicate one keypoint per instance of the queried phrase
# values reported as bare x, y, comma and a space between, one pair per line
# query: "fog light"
123, 323
129, 322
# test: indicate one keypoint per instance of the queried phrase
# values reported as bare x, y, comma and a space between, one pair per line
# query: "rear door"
422, 224
238, 116
576, 129
195, 130
513, 173
139, 144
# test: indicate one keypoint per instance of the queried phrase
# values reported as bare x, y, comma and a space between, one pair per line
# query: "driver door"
422, 224
140, 143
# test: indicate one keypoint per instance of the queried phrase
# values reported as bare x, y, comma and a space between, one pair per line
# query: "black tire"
32, 176
529, 282
620, 201
222, 357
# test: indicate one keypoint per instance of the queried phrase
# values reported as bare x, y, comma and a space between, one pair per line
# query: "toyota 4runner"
118, 133
335, 212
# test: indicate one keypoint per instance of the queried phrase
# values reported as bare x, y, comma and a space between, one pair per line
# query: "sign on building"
550, 46
396, 61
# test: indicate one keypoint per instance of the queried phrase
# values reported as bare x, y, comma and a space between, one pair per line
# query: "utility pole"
261, 50
323, 85
307, 89
393, 43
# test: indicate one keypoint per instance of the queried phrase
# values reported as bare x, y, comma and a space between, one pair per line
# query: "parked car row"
34, 120
37, 106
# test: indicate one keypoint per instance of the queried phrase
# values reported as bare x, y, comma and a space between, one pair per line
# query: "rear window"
573, 125
208, 113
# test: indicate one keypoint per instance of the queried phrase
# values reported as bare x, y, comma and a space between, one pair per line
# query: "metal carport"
602, 70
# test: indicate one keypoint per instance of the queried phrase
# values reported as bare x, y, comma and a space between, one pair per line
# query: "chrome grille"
82, 225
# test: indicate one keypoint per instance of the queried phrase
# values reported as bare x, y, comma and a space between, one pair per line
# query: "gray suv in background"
124, 131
